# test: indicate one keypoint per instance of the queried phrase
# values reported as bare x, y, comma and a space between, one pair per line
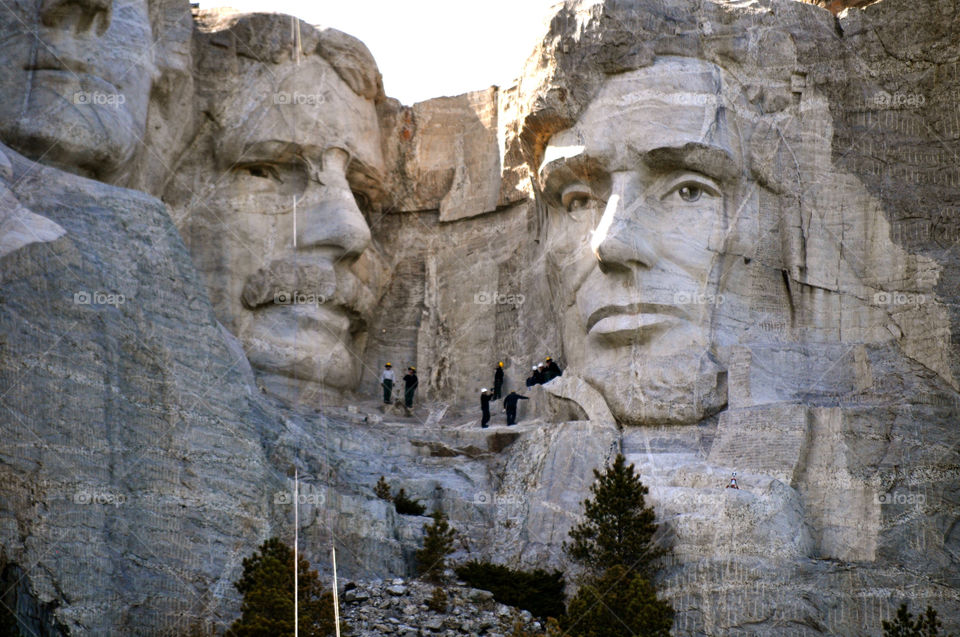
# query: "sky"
427, 48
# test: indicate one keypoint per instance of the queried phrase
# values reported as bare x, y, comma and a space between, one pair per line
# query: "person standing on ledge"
485, 407
510, 404
386, 380
498, 381
410, 383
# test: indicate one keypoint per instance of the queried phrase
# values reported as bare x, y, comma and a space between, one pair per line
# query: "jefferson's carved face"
642, 191
76, 79
284, 237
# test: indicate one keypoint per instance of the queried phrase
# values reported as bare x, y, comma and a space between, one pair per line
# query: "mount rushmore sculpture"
733, 223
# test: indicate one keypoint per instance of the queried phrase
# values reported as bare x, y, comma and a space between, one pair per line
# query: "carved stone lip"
58, 61
615, 318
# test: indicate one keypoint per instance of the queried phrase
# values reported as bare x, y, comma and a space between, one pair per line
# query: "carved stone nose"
621, 241
76, 14
336, 222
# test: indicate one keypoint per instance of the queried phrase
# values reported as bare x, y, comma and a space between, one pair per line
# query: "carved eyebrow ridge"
712, 161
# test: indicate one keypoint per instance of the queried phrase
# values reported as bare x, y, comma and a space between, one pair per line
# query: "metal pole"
336, 599
296, 537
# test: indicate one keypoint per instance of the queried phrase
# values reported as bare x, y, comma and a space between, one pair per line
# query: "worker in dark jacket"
410, 383
485, 407
498, 381
510, 404
532, 378
552, 370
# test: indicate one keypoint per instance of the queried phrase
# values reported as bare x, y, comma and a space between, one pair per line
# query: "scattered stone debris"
399, 607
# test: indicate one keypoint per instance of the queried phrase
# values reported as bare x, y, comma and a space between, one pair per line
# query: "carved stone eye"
264, 171
576, 197
689, 192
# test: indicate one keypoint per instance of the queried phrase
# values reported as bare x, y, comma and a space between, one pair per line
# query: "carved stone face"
642, 193
280, 230
76, 78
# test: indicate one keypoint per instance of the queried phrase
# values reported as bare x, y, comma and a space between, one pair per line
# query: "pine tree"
382, 490
926, 625
619, 603
437, 545
619, 527
267, 588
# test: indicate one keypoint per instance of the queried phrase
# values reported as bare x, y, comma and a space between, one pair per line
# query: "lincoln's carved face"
280, 232
76, 79
643, 191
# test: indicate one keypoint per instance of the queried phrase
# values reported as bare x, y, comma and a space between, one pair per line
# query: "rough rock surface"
399, 607
815, 278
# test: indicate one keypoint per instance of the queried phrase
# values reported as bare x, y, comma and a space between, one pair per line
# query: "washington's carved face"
76, 77
642, 191
290, 274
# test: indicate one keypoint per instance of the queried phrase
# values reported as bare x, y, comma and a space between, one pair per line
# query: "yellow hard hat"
412, 368
388, 365
501, 363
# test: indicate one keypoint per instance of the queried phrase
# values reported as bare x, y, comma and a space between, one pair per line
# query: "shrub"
382, 490
618, 604
438, 600
437, 545
267, 588
537, 591
407, 506
552, 630
926, 625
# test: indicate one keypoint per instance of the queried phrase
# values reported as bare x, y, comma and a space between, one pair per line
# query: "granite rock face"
731, 222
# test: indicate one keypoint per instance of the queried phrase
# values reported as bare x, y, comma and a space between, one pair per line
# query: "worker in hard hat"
410, 383
498, 381
510, 405
551, 371
532, 378
485, 398
733, 482
386, 381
